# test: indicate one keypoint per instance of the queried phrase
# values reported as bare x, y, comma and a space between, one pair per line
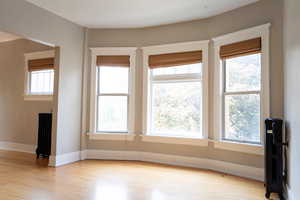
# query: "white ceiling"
136, 13
5, 37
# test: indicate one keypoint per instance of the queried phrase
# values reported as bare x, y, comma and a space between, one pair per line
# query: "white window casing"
32, 56
115, 51
261, 31
175, 48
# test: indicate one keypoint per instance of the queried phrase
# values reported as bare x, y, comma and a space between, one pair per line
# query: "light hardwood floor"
24, 178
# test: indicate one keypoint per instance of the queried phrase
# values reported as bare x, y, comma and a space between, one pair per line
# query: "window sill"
38, 97
240, 147
111, 136
175, 140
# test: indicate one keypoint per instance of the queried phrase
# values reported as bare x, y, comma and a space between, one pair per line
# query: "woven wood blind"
117, 61
40, 64
241, 48
174, 59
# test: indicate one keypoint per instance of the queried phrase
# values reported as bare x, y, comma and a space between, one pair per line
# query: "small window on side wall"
39, 75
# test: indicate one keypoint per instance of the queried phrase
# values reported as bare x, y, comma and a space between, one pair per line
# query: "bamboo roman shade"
174, 59
40, 64
117, 61
241, 48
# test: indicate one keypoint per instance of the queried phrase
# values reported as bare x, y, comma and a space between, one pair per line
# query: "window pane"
176, 109
113, 79
42, 82
112, 113
243, 73
182, 69
242, 117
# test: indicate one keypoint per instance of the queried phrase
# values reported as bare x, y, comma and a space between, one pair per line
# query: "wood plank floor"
24, 178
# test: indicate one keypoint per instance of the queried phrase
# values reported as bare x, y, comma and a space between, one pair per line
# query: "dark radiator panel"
274, 157
44, 135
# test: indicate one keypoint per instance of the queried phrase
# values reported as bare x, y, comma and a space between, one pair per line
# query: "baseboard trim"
289, 194
63, 159
11, 146
202, 163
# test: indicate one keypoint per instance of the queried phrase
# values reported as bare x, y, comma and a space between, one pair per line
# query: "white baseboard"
11, 146
203, 163
290, 195
67, 158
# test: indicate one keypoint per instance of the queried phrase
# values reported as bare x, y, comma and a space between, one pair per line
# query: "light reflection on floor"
111, 192
157, 195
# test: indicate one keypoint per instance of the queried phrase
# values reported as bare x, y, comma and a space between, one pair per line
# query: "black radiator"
44, 135
274, 157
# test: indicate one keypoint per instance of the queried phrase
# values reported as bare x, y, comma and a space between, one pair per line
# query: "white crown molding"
202, 163
11, 146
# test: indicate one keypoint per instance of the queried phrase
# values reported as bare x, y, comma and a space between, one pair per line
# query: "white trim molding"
175, 140
111, 136
32, 56
201, 163
130, 51
239, 147
289, 194
38, 97
263, 32
173, 48
11, 146
63, 159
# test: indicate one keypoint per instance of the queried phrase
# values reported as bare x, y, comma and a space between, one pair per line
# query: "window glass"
41, 82
243, 73
182, 69
112, 113
242, 117
176, 109
113, 79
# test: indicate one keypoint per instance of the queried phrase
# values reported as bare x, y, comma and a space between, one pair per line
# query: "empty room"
149, 100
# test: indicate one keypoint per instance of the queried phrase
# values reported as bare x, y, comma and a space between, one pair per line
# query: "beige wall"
14, 110
32, 22
292, 95
262, 12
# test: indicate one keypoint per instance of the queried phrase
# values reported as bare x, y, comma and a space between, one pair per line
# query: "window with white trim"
175, 87
39, 74
242, 85
176, 94
241, 98
41, 82
112, 91
112, 98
